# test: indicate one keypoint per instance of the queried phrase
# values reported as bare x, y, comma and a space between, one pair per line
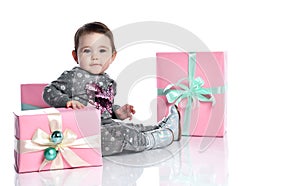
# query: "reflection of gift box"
31, 96
60, 138
83, 176
196, 83
200, 161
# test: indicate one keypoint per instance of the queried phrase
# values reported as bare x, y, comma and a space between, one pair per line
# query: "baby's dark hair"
94, 27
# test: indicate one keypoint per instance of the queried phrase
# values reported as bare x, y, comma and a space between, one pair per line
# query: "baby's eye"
102, 50
86, 50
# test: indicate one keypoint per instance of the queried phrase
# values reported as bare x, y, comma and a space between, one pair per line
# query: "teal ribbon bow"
193, 92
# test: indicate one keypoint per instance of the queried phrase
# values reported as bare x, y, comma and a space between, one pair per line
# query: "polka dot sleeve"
57, 94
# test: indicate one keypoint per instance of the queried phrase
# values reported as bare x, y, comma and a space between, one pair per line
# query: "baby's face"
94, 53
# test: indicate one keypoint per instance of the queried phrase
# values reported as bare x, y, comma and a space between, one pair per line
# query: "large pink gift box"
80, 145
196, 82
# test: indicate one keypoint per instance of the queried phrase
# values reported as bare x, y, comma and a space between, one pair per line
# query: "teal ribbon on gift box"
29, 107
193, 92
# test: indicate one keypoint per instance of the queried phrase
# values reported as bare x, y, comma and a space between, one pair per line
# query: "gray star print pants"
117, 137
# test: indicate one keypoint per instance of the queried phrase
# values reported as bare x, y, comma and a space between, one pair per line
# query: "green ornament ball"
57, 137
50, 153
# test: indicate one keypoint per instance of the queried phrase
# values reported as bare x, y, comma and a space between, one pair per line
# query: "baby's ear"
74, 54
113, 56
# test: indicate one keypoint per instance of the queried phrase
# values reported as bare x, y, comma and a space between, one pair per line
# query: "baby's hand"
125, 112
74, 104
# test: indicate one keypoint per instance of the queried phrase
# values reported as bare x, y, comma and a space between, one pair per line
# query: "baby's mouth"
96, 64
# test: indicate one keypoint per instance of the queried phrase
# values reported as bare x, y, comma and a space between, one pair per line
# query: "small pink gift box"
31, 96
80, 145
196, 82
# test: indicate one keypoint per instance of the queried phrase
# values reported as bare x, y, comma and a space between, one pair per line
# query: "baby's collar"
103, 74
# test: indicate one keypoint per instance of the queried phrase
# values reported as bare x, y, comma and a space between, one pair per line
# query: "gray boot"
159, 138
172, 122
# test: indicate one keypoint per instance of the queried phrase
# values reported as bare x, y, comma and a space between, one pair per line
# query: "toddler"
88, 85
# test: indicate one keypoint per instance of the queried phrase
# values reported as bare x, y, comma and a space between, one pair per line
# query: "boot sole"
179, 124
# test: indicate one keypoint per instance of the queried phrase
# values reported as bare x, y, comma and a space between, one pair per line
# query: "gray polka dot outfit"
78, 84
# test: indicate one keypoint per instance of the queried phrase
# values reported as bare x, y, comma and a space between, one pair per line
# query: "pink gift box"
205, 114
31, 96
81, 145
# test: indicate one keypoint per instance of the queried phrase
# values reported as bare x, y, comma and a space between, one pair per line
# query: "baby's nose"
95, 57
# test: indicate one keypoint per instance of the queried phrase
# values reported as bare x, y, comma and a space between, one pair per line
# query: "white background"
262, 40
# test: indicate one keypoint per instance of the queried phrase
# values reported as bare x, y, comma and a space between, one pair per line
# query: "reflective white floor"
192, 161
